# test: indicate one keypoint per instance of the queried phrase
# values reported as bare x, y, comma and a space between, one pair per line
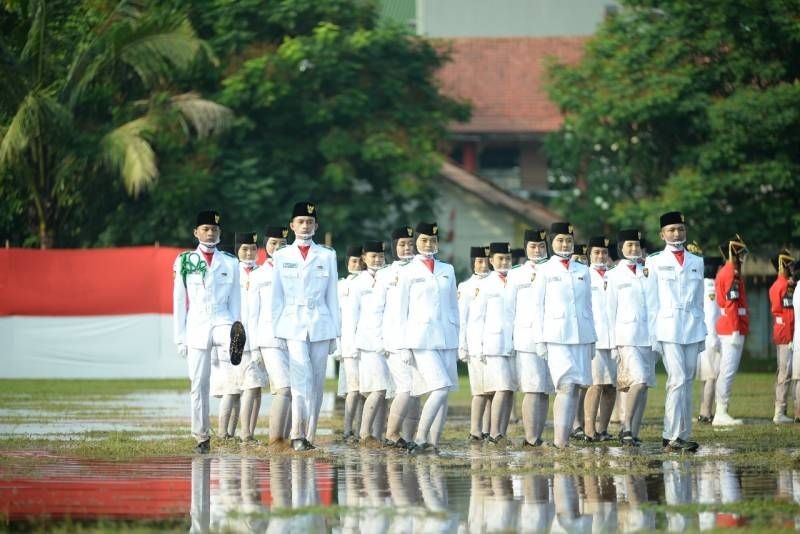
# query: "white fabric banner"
108, 346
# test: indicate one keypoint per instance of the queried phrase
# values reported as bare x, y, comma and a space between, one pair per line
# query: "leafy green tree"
331, 105
83, 93
684, 105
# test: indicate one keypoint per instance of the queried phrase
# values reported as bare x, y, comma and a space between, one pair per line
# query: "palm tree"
44, 102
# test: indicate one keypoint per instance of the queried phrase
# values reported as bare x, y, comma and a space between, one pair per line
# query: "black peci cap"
499, 248
207, 217
536, 236
427, 229
630, 234
599, 241
245, 238
402, 232
672, 217
305, 209
478, 252
278, 232
374, 246
564, 228
354, 251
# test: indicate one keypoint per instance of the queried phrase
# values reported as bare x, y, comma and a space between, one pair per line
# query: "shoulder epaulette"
543, 260
326, 246
655, 253
612, 267
517, 265
229, 255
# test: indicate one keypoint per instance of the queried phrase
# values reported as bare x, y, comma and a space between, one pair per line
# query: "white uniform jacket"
490, 323
466, 297
388, 280
520, 285
675, 298
711, 313
428, 306
562, 303
626, 302
248, 297
260, 308
203, 300
599, 308
305, 305
344, 293
364, 326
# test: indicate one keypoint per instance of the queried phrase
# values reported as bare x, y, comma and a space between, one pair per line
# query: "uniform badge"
645, 272
285, 233
605, 285
224, 274
477, 290
711, 296
216, 218
533, 276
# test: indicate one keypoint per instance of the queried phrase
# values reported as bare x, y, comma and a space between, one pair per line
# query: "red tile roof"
504, 80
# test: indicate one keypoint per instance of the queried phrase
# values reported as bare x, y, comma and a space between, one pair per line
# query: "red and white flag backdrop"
87, 313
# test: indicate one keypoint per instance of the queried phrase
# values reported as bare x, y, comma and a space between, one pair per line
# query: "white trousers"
728, 365
199, 366
680, 362
307, 362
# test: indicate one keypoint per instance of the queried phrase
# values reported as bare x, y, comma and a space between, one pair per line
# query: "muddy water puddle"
383, 491
138, 412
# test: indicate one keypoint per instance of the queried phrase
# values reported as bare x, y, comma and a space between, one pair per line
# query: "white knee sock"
436, 400
564, 411
371, 408
280, 414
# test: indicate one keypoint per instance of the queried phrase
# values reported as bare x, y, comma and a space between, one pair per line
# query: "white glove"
541, 349
463, 355
737, 340
406, 356
183, 350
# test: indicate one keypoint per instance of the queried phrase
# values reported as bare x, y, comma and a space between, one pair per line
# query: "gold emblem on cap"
486, 251
285, 233
682, 219
435, 230
255, 238
216, 218
310, 208
639, 234
570, 228
542, 235
383, 247
409, 231
606, 242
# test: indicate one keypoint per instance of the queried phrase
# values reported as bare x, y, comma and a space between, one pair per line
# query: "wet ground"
748, 477
384, 491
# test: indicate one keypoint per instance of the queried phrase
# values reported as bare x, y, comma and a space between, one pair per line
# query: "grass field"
758, 446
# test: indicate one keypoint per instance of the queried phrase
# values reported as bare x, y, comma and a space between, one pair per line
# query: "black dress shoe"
238, 340
535, 444
497, 440
475, 439
204, 447
485, 436
626, 438
578, 433
705, 420
679, 445
300, 445
422, 448
604, 436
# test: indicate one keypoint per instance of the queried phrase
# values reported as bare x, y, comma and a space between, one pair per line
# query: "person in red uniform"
733, 324
780, 304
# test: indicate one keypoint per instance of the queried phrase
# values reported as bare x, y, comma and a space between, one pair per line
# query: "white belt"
740, 311
308, 302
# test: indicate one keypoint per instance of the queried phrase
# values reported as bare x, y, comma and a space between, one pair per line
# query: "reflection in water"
380, 491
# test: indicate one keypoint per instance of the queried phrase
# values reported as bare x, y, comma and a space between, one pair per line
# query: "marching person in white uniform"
205, 303
489, 329
677, 328
564, 329
602, 394
364, 335
533, 375
253, 374
405, 409
429, 321
708, 360
348, 356
273, 351
466, 293
305, 310
580, 255
628, 328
